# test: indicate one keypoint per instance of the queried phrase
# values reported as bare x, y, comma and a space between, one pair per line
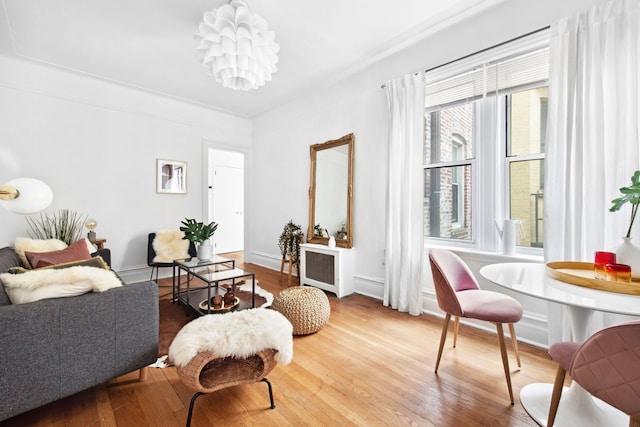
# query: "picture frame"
171, 176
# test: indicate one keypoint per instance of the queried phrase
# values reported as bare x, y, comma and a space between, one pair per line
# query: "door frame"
207, 145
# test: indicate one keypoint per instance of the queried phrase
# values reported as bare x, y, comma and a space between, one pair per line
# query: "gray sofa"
53, 348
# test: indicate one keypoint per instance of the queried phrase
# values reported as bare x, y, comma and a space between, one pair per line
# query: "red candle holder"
601, 259
618, 272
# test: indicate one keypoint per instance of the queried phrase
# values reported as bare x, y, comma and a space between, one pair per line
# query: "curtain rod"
481, 51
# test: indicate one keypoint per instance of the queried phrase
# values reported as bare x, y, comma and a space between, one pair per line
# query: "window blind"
492, 73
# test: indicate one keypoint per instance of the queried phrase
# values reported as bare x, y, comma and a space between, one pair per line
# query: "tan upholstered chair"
459, 295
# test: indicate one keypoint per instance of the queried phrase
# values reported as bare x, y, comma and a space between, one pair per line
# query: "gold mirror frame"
349, 141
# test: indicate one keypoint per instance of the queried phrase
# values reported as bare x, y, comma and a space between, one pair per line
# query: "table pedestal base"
577, 407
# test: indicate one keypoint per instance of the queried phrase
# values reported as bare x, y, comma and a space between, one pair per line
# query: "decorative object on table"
289, 244
229, 297
91, 225
508, 234
581, 274
25, 196
307, 308
628, 253
224, 307
600, 260
332, 242
618, 273
200, 233
171, 176
320, 231
65, 225
237, 46
605, 365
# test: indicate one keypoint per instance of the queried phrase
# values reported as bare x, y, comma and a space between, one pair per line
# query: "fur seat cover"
237, 334
170, 245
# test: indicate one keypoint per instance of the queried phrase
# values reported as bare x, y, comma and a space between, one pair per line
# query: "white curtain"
592, 139
404, 246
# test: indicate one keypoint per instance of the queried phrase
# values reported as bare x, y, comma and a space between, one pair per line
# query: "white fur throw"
27, 244
34, 285
236, 334
170, 245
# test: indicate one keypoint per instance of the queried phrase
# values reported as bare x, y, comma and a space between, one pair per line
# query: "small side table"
98, 242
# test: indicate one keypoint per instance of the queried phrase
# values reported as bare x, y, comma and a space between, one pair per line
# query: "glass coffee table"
210, 274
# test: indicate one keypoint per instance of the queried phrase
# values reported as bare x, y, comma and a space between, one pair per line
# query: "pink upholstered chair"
606, 365
459, 295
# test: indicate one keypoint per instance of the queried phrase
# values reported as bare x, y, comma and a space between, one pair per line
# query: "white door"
228, 202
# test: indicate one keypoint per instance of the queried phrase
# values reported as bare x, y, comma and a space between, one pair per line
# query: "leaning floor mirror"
331, 192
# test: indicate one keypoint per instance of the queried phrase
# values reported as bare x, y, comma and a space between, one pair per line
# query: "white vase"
205, 252
628, 253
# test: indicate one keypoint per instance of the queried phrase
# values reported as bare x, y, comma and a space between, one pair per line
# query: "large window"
484, 146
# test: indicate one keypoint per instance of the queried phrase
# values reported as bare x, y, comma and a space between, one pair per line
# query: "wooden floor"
369, 366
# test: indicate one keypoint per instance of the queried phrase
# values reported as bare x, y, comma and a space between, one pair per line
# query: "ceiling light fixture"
237, 46
25, 196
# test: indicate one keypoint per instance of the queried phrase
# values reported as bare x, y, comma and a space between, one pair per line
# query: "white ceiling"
149, 44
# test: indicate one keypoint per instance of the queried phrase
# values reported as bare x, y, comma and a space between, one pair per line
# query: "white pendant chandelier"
237, 46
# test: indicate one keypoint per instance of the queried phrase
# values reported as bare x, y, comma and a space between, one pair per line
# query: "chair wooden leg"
443, 338
456, 326
144, 372
514, 341
556, 395
505, 359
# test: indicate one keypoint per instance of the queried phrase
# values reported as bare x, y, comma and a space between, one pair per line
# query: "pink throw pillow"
75, 252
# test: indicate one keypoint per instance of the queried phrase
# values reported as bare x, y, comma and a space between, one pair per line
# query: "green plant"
197, 232
630, 194
65, 225
289, 240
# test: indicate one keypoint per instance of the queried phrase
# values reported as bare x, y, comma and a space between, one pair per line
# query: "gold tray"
204, 305
581, 274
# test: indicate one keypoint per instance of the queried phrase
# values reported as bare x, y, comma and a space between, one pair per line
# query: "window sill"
489, 257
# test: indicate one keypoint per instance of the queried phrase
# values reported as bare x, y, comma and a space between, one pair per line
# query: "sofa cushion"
40, 284
75, 252
23, 244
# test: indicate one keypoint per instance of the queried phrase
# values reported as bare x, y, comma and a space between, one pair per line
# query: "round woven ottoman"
307, 308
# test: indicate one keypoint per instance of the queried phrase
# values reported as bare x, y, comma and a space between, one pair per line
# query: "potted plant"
630, 194
65, 225
289, 241
628, 253
199, 233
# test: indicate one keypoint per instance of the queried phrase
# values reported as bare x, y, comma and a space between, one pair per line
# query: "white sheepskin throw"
34, 285
27, 244
170, 245
237, 334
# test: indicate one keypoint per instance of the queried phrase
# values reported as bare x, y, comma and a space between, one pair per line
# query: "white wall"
282, 137
96, 144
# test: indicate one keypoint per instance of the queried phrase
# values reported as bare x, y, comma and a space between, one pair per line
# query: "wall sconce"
91, 225
25, 196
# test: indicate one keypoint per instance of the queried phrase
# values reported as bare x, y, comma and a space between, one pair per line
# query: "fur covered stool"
306, 307
223, 350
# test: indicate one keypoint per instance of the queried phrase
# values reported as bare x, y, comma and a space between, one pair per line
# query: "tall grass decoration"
65, 225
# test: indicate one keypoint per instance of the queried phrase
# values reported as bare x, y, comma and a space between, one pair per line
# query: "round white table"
577, 406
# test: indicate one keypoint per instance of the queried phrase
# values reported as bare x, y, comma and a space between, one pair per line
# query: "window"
485, 124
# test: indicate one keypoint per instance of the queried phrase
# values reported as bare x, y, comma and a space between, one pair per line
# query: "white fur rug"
239, 333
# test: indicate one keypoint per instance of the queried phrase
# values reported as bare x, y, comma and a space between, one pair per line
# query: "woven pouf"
307, 308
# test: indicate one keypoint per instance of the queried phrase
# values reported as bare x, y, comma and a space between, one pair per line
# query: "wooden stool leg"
282, 266
290, 268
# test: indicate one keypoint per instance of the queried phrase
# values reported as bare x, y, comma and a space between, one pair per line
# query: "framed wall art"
171, 177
